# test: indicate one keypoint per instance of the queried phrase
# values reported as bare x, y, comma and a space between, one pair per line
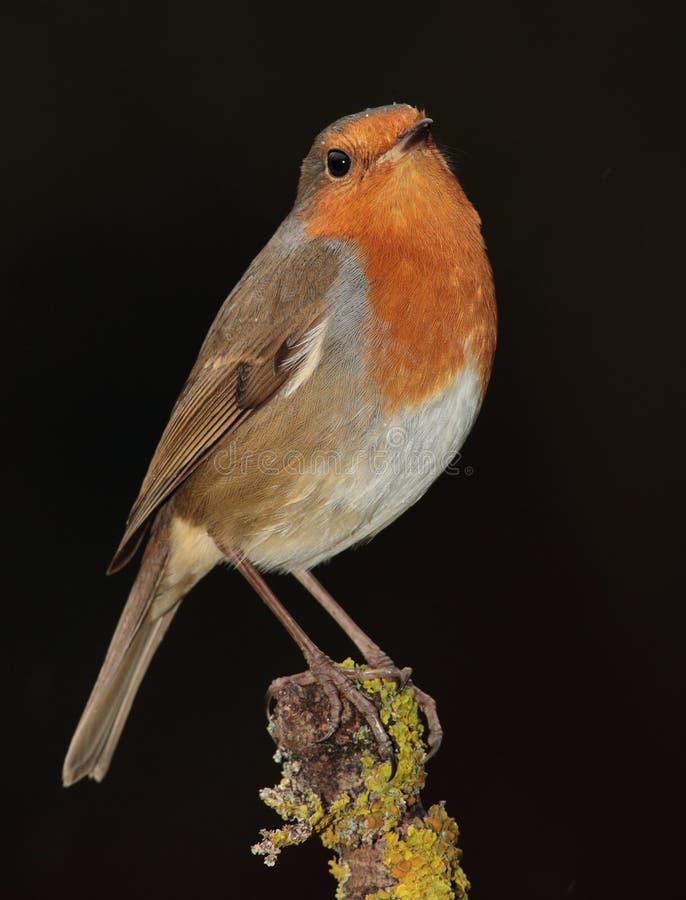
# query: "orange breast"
430, 283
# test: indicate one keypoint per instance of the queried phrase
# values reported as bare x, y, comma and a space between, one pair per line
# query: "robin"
340, 376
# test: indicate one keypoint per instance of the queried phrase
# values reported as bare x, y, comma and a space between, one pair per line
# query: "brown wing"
260, 340
216, 399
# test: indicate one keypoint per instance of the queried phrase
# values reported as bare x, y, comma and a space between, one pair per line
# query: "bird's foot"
339, 682
378, 659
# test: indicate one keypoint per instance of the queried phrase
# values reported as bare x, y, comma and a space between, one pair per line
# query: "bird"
340, 376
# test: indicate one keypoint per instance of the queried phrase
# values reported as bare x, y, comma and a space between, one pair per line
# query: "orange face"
419, 239
382, 172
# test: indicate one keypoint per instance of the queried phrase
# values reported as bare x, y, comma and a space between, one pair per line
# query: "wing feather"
214, 402
268, 335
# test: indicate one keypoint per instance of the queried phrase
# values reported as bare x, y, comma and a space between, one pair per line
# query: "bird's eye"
338, 163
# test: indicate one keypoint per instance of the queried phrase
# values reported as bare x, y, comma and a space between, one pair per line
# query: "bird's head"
378, 164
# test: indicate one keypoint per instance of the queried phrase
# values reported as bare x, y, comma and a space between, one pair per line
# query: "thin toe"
427, 704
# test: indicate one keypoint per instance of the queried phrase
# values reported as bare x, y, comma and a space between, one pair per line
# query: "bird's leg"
373, 654
334, 680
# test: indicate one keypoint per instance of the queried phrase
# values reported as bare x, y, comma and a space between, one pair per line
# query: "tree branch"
387, 846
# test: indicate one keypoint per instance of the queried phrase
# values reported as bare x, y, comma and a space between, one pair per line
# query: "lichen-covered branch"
387, 846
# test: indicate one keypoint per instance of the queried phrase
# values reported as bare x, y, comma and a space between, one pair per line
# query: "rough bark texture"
387, 846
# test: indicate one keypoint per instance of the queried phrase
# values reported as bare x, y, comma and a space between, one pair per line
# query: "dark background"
149, 152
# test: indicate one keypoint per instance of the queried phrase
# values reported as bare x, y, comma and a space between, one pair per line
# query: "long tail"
137, 636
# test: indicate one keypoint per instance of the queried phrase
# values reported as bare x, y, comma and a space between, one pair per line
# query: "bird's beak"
413, 135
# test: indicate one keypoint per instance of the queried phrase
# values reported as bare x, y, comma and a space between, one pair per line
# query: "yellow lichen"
426, 862
341, 872
381, 806
423, 856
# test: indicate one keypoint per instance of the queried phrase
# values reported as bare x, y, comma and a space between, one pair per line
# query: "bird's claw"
434, 736
338, 682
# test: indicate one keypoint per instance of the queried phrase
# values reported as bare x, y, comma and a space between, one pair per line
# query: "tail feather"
98, 732
137, 636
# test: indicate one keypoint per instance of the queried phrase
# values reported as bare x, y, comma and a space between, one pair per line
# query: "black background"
149, 151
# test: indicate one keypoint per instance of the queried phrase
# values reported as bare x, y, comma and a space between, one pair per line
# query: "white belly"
348, 497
